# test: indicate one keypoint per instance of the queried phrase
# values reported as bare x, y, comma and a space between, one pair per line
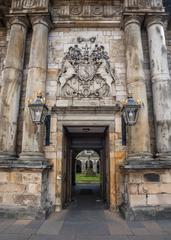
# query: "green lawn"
81, 178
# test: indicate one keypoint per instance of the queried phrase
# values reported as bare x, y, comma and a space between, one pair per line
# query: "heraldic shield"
86, 71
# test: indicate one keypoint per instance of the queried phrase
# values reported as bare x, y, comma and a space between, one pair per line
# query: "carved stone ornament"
73, 11
29, 4
144, 3
158, 4
86, 71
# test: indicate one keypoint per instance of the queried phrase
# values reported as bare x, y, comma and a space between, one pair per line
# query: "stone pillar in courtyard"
161, 85
32, 142
139, 135
11, 85
95, 166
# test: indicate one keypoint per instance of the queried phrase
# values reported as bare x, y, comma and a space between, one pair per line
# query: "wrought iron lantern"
130, 111
38, 109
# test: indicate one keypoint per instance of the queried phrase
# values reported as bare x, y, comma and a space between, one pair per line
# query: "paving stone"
165, 226
14, 237
113, 217
14, 229
5, 224
82, 229
51, 237
153, 228
85, 216
118, 237
35, 224
150, 237
102, 237
119, 229
60, 216
50, 228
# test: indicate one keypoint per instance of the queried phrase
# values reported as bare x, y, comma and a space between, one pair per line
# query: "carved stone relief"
29, 4
86, 71
146, 4
88, 11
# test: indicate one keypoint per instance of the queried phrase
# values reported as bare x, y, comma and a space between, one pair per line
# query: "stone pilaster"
161, 85
139, 135
11, 84
32, 143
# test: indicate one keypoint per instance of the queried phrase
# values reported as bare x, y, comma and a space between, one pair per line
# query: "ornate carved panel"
144, 5
29, 5
86, 71
86, 10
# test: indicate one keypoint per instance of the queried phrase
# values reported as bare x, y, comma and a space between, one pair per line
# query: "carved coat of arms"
86, 71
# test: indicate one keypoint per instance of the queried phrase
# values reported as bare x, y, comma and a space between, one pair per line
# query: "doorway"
85, 167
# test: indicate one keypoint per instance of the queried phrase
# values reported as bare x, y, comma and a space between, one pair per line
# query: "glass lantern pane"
36, 112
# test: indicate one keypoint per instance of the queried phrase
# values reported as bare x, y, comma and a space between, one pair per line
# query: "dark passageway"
87, 197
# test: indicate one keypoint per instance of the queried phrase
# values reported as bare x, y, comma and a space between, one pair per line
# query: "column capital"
154, 19
19, 20
129, 19
39, 19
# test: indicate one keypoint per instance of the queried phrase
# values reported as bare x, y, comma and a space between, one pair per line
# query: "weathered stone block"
136, 178
154, 188
15, 177
159, 199
12, 187
31, 177
4, 177
34, 188
133, 189
166, 177
137, 200
27, 200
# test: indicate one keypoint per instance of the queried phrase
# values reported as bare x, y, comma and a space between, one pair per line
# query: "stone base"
25, 213
147, 190
23, 189
143, 213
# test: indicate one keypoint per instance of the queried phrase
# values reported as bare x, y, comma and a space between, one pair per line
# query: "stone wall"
149, 193
24, 192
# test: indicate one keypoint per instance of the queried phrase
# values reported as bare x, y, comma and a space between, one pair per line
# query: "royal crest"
86, 71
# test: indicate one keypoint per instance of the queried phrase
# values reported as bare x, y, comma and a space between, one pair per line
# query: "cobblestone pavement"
85, 219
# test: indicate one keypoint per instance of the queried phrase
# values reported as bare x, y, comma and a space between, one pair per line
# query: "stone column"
95, 166
139, 135
33, 140
161, 84
11, 85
